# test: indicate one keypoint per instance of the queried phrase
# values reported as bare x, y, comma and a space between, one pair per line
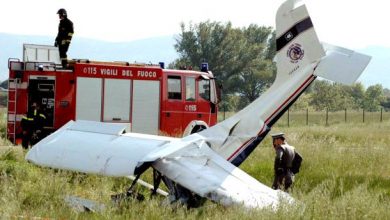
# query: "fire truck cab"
147, 98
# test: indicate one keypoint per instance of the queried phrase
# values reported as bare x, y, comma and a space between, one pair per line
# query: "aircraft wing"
200, 169
94, 147
100, 148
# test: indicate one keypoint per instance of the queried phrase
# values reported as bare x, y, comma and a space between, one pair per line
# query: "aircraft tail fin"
341, 65
300, 58
298, 47
297, 43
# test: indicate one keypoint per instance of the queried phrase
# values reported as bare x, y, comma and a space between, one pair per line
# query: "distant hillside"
158, 49
152, 50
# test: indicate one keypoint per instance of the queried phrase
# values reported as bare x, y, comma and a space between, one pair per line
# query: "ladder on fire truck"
12, 100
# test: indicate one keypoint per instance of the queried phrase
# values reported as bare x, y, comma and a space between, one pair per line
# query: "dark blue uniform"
63, 39
32, 126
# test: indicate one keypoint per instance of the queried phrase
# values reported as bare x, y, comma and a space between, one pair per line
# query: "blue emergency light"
204, 67
162, 65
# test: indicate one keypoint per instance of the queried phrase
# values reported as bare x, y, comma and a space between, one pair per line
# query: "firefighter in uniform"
64, 36
283, 162
32, 126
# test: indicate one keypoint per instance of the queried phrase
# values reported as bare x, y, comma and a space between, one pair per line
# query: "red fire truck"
148, 98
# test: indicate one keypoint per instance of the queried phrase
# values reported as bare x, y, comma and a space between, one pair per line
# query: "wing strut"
157, 177
130, 193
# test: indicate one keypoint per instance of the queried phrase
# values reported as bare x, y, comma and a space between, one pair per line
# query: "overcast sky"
348, 23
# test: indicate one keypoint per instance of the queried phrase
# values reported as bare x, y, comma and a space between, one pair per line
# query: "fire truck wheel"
194, 127
198, 128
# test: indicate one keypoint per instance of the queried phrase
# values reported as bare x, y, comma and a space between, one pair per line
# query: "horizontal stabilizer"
341, 65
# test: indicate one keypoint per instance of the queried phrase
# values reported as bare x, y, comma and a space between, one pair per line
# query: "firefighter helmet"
62, 12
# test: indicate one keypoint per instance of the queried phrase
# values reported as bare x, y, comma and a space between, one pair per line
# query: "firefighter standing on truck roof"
32, 126
64, 36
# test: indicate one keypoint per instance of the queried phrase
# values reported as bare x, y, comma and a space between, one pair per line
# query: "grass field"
345, 175
298, 118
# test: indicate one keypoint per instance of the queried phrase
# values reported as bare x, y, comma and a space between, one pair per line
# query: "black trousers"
26, 136
63, 49
283, 180
31, 137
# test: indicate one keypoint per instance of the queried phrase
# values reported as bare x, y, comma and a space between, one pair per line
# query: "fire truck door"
88, 99
116, 100
146, 106
41, 90
172, 114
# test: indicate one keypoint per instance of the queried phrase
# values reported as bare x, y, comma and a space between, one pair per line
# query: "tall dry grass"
345, 175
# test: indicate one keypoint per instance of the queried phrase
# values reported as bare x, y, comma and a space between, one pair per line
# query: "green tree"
323, 95
3, 94
332, 96
357, 92
303, 102
4, 84
239, 57
351, 97
386, 92
258, 73
386, 102
373, 98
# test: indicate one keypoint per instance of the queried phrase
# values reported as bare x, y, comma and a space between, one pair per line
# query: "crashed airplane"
205, 164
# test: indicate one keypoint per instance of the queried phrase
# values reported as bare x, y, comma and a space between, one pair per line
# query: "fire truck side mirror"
215, 97
219, 92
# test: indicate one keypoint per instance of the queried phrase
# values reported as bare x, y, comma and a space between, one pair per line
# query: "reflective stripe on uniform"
42, 115
70, 34
28, 119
